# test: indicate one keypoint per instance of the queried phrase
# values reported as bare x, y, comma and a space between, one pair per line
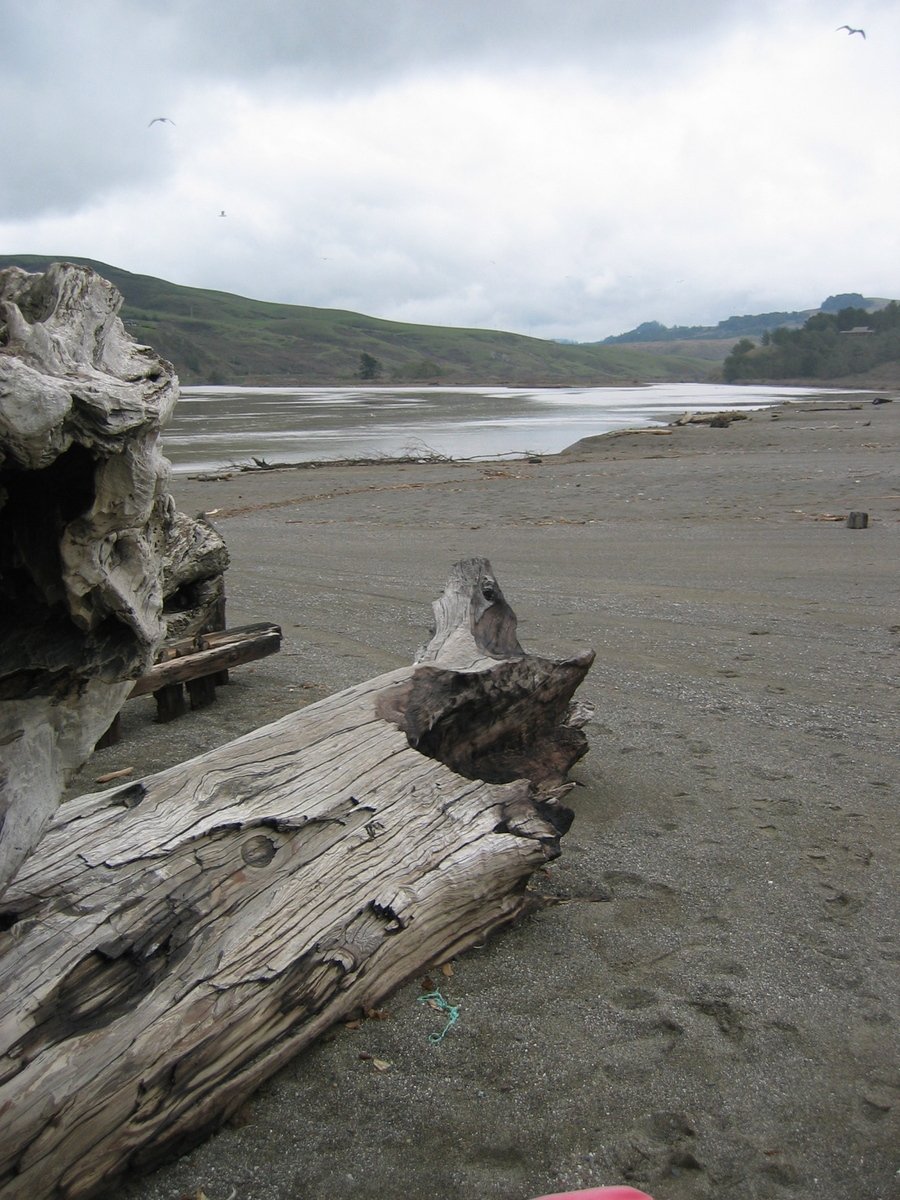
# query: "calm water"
214, 427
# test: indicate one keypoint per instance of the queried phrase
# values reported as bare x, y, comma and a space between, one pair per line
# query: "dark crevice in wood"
269, 887
129, 796
498, 725
41, 648
108, 982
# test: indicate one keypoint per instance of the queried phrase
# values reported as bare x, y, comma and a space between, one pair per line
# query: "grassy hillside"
215, 337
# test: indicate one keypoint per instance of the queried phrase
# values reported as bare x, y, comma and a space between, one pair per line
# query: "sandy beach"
704, 1004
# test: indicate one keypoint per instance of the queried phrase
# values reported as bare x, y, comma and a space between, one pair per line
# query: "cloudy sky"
564, 168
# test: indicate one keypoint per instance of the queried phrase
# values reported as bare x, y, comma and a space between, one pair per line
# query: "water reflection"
214, 427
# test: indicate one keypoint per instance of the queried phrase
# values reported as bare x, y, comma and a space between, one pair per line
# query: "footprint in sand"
627, 885
661, 1146
840, 904
728, 1017
878, 1098
770, 776
631, 998
638, 1056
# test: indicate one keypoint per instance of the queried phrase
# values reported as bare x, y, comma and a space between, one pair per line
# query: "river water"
215, 427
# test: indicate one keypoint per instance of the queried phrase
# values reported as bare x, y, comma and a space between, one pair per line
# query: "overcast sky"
564, 168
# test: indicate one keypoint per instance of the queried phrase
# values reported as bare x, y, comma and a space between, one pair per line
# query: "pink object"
604, 1193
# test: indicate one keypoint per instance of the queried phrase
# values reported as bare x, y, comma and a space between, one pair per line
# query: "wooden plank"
201, 691
170, 702
206, 662
209, 639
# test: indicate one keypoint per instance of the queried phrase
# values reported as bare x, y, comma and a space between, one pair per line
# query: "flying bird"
165, 120
850, 30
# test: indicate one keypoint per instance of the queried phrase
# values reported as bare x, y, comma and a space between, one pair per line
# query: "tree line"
828, 346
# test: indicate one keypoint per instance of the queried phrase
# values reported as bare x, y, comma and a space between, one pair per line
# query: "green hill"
216, 337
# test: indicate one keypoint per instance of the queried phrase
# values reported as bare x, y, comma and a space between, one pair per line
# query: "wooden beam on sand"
218, 652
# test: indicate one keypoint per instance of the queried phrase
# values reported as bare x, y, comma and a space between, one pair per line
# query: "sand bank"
706, 1006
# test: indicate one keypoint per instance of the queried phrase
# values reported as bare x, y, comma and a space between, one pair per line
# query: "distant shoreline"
219, 430
856, 399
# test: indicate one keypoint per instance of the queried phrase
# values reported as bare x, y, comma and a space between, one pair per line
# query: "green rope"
452, 1011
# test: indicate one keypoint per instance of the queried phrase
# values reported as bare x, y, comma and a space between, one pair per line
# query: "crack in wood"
189, 933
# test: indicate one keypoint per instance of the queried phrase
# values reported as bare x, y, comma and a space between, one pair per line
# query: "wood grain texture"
96, 564
175, 941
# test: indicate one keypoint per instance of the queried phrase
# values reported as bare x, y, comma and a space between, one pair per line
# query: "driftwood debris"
208, 653
173, 942
96, 564
716, 420
200, 663
84, 511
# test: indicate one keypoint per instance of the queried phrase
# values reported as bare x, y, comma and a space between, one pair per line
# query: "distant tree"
886, 319
369, 366
852, 318
735, 365
821, 321
828, 346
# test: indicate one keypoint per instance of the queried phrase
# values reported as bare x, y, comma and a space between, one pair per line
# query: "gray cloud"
79, 88
567, 169
351, 43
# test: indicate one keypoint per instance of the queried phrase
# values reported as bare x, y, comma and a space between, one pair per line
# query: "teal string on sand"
452, 1011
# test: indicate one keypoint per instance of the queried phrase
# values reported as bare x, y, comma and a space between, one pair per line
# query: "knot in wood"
258, 851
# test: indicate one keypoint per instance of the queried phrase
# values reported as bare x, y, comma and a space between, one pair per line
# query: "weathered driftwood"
211, 654
96, 566
83, 513
201, 664
173, 942
211, 638
194, 562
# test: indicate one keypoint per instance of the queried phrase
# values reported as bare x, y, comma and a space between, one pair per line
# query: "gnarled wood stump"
172, 943
96, 566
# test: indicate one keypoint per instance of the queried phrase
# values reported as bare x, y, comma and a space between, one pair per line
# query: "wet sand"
705, 1006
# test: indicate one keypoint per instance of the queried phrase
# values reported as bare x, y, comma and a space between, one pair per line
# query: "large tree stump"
172, 943
96, 566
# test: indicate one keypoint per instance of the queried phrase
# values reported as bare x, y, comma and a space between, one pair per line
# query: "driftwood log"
172, 943
96, 565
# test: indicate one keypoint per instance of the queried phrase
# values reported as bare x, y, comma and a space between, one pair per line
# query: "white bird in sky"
850, 30
166, 120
